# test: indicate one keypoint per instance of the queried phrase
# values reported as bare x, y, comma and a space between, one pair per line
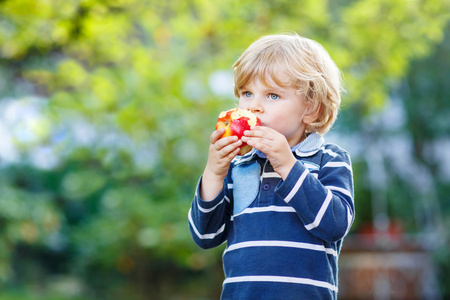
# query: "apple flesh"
236, 121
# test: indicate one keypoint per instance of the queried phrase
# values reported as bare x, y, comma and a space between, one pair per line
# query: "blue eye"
247, 94
273, 96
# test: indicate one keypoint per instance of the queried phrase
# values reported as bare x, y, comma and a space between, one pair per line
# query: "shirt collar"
309, 146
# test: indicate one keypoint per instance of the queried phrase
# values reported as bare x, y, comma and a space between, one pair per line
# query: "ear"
312, 114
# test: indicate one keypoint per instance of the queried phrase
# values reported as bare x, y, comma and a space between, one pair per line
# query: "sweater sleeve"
324, 203
208, 219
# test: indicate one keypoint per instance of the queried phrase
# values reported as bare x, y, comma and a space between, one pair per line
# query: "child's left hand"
274, 145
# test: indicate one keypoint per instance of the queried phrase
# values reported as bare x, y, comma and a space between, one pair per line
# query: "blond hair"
310, 68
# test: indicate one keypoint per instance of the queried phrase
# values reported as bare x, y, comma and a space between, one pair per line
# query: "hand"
221, 153
274, 145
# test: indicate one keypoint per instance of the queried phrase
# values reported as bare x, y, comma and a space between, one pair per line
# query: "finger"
261, 128
258, 131
233, 154
226, 150
255, 142
215, 136
227, 154
223, 142
258, 136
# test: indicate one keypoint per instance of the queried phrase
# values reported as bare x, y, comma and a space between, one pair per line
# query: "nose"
256, 105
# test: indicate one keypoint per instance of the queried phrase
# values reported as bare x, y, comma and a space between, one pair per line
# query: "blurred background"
106, 108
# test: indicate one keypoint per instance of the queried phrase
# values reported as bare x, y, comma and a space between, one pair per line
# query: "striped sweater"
283, 237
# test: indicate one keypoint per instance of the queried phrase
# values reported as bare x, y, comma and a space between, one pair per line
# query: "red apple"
236, 121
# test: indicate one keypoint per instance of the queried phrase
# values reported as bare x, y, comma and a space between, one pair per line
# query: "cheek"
288, 121
242, 104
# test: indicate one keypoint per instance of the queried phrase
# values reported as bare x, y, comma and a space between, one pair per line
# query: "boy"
285, 207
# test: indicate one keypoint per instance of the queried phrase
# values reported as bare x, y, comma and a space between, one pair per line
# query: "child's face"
279, 108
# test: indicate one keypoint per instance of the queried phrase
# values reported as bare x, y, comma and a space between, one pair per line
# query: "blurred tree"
133, 90
426, 92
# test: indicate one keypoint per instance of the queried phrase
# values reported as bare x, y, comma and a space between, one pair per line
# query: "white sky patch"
21, 123
221, 83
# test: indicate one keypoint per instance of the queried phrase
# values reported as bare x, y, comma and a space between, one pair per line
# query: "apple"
236, 121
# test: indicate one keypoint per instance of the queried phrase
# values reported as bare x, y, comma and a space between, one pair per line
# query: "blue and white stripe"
290, 236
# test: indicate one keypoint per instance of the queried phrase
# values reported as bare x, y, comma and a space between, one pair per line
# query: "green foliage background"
127, 102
